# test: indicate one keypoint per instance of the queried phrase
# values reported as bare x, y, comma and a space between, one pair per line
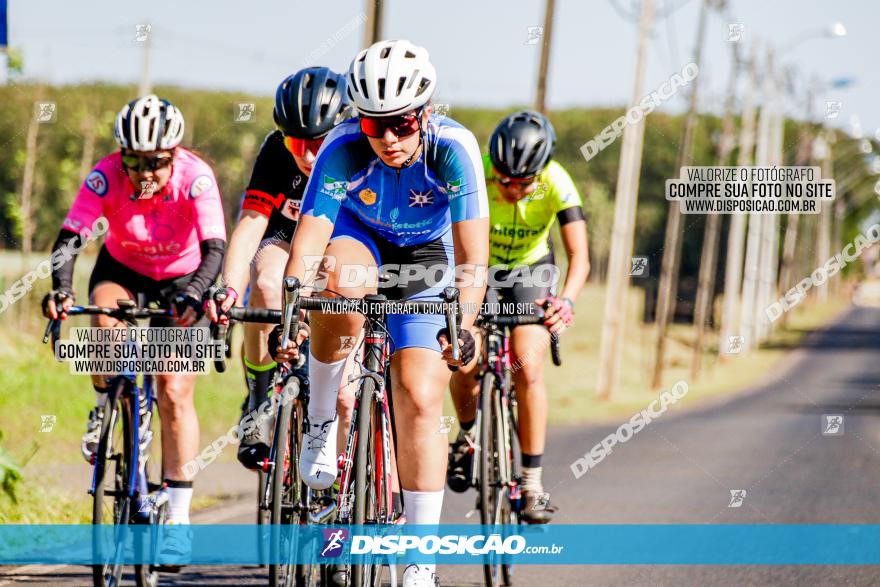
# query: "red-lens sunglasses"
400, 126
299, 146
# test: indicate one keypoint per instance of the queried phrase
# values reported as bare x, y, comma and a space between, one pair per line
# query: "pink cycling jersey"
157, 236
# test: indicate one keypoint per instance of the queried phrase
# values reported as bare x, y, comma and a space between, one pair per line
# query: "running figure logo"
334, 542
832, 424
737, 496
639, 267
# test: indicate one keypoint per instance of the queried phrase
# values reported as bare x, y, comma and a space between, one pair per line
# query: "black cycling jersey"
276, 187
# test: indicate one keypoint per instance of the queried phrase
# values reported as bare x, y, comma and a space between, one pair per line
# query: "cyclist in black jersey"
308, 105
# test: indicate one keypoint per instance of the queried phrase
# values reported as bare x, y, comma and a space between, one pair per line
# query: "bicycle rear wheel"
111, 504
494, 502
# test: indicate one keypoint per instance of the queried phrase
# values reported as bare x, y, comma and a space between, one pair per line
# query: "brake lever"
291, 310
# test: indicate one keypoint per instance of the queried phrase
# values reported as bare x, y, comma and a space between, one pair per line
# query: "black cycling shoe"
535, 507
461, 458
254, 447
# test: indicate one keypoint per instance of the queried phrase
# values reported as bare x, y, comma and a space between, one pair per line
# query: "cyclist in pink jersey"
165, 244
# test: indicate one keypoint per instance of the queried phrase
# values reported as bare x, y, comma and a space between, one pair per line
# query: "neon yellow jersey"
520, 232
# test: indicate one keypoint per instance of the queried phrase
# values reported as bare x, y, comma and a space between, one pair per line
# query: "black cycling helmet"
522, 145
309, 103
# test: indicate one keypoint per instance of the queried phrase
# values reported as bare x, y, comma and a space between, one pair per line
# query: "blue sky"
478, 46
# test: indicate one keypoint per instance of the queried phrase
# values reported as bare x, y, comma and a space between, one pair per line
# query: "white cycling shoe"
420, 576
92, 436
317, 458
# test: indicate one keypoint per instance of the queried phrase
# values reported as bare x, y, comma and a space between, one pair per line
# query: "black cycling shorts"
526, 285
145, 289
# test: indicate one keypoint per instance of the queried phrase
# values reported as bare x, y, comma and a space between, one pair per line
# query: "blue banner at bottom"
719, 544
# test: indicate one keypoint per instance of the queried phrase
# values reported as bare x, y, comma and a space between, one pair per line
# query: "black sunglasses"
140, 163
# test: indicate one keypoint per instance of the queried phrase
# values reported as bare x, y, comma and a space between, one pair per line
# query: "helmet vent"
423, 86
364, 88
381, 88
385, 53
410, 55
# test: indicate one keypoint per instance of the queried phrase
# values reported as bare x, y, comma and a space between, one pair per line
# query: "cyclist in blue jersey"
397, 186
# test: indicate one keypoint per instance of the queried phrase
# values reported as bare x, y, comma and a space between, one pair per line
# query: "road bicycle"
495, 470
121, 491
365, 480
284, 499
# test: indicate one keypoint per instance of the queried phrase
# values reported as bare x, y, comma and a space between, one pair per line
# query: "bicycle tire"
509, 514
280, 575
365, 498
146, 575
121, 504
491, 492
305, 575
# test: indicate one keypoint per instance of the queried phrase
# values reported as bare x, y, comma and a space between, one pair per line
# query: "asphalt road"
681, 468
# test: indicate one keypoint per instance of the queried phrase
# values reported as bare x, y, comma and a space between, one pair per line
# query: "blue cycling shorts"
406, 330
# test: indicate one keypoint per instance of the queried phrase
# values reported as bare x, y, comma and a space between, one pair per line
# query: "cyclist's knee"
530, 375
175, 393
266, 289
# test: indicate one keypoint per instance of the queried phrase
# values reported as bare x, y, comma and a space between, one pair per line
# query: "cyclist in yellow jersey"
528, 192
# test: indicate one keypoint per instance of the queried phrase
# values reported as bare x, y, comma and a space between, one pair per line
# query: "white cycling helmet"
149, 124
391, 77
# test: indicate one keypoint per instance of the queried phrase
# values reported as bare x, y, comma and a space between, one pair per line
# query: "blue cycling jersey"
408, 206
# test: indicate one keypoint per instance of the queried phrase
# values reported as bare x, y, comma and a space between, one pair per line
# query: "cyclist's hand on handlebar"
186, 308
466, 344
57, 302
218, 303
292, 351
558, 313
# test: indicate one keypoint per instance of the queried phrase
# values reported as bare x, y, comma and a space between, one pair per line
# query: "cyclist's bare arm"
471, 241
309, 243
242, 247
574, 238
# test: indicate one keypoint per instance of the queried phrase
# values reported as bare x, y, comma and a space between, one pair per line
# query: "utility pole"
375, 18
668, 288
620, 258
712, 233
793, 221
27, 182
146, 83
733, 270
823, 248
751, 272
546, 44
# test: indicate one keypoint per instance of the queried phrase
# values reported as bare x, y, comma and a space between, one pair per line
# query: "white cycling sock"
325, 380
423, 507
179, 499
531, 479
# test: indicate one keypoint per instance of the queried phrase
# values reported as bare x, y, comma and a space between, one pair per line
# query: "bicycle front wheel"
368, 479
111, 504
494, 505
284, 484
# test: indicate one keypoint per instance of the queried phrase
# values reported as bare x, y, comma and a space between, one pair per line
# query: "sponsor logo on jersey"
420, 199
97, 182
455, 186
290, 209
200, 185
334, 188
367, 196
